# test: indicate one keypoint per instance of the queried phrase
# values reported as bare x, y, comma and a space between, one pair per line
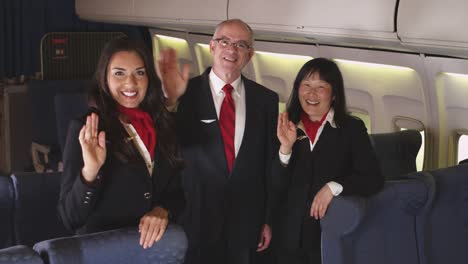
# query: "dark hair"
153, 104
328, 72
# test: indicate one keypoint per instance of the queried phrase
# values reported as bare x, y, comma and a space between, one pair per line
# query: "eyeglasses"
240, 45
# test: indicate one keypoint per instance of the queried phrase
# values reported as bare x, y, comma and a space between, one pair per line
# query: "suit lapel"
207, 111
206, 108
327, 138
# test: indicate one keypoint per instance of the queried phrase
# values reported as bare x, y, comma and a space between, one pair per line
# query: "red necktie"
227, 123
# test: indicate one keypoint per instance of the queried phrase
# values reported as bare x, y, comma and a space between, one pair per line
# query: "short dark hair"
329, 72
153, 103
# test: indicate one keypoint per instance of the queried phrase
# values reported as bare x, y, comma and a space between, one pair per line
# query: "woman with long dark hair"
324, 152
121, 163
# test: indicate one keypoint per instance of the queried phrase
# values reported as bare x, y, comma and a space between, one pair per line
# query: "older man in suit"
227, 127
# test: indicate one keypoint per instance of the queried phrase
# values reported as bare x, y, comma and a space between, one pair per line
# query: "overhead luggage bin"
185, 15
359, 22
434, 26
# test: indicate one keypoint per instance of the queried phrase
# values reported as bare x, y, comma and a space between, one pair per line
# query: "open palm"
93, 146
286, 133
174, 82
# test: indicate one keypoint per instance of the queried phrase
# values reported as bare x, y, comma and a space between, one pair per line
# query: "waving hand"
93, 145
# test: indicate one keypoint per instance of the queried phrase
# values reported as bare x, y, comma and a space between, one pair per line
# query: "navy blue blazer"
343, 154
124, 193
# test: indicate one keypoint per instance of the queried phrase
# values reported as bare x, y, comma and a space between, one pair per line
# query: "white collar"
330, 119
218, 84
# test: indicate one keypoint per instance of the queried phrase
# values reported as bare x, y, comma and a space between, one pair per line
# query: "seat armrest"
343, 215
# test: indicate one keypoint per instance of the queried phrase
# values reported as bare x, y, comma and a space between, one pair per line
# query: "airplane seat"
68, 107
446, 231
117, 246
35, 207
379, 229
19, 255
45, 146
397, 152
6, 212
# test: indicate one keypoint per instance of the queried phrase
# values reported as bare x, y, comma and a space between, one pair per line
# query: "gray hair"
236, 21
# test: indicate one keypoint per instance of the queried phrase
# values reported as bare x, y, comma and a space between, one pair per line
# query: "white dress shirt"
238, 95
335, 187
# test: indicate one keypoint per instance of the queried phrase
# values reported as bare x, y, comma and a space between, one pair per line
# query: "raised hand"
286, 133
152, 226
174, 82
93, 146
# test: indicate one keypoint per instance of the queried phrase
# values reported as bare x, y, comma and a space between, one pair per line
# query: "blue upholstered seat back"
380, 229
116, 246
19, 255
446, 232
35, 215
397, 152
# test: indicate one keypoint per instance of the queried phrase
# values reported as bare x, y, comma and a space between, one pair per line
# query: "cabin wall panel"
380, 74
402, 106
276, 65
449, 88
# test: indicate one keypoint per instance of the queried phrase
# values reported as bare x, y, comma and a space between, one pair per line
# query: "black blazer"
343, 154
216, 201
122, 195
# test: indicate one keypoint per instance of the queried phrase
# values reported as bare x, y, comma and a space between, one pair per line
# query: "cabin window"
181, 46
282, 107
405, 123
364, 116
204, 58
462, 148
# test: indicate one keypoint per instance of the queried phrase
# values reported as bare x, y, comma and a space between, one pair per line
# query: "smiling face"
127, 79
229, 60
315, 96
